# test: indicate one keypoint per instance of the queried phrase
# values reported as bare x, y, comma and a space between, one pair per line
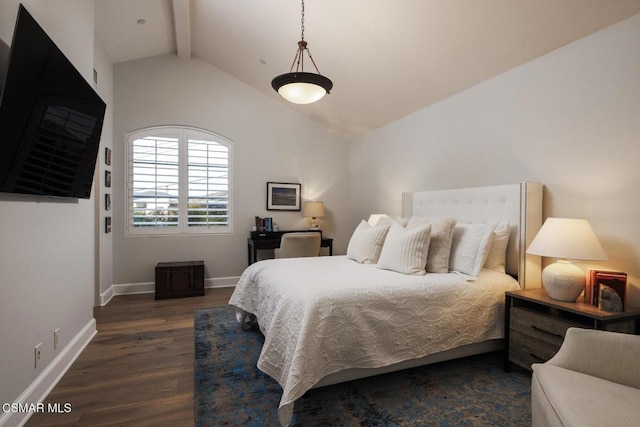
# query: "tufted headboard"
521, 204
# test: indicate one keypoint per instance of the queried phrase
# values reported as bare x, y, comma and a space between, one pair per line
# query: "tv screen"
50, 119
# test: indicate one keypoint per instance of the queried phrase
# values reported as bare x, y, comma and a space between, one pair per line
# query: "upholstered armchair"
294, 245
593, 380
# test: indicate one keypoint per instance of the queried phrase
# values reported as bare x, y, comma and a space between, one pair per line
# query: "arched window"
178, 181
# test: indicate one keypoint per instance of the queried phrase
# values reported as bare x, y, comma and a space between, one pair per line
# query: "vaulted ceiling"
386, 58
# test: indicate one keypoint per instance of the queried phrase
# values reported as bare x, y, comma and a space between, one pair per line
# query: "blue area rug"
231, 391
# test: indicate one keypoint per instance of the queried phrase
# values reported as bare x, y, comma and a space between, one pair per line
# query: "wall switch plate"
56, 338
37, 354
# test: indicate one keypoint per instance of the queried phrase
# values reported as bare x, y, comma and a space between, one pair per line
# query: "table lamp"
314, 210
565, 239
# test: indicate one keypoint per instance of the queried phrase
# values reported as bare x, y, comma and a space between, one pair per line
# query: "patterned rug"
231, 391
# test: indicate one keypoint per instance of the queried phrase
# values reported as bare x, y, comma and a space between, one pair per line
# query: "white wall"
569, 119
46, 247
104, 241
270, 142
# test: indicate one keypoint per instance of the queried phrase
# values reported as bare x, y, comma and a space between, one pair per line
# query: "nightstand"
535, 324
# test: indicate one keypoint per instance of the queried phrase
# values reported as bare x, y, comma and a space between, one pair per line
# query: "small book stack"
606, 289
264, 224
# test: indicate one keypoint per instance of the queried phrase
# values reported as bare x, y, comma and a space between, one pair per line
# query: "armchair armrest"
608, 355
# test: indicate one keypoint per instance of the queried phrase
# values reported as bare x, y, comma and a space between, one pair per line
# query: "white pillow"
497, 258
387, 220
441, 239
366, 243
374, 218
470, 248
405, 250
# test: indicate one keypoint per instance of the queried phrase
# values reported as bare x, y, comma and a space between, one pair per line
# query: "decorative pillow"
374, 218
441, 239
497, 258
470, 248
366, 243
405, 250
387, 220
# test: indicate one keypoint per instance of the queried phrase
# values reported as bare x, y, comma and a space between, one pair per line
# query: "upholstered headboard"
521, 204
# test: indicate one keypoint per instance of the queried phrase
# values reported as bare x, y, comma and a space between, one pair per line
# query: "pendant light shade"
298, 86
301, 87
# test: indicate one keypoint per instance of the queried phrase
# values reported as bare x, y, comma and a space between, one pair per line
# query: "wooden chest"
179, 279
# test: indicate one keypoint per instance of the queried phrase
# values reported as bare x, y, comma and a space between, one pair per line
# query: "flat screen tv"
50, 119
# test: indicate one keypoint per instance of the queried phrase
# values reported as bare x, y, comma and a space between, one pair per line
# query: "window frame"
184, 134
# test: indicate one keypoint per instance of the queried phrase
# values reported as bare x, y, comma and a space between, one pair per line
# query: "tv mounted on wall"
50, 119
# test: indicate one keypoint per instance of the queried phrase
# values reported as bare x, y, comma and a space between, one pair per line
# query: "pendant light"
300, 87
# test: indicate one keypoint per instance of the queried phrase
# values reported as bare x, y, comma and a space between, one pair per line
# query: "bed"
331, 319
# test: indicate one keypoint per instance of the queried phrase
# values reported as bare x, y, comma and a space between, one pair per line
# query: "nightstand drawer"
525, 350
545, 328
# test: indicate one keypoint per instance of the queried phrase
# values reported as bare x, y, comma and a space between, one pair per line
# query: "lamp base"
314, 225
563, 281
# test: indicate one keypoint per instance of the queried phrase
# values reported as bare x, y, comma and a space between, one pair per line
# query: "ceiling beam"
182, 25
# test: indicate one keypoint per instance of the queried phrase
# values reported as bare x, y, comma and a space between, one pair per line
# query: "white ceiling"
386, 58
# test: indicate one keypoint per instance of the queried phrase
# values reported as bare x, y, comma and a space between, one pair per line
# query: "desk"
271, 240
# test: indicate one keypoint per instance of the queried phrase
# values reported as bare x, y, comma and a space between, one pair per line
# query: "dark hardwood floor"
138, 369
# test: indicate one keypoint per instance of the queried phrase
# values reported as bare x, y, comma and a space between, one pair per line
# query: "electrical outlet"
56, 338
37, 354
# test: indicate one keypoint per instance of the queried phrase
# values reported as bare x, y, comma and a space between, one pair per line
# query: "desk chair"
294, 245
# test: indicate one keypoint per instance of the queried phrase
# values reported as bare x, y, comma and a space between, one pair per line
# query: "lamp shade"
313, 209
567, 239
302, 88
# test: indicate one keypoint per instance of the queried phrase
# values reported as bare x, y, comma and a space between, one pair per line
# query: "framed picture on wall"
107, 178
107, 202
107, 156
283, 196
107, 224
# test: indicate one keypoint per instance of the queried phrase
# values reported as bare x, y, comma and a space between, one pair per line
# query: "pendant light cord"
298, 60
302, 22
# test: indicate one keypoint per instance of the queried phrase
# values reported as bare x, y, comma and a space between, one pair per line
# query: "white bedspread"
322, 315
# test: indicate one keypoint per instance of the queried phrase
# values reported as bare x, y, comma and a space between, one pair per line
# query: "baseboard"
106, 296
150, 287
40, 388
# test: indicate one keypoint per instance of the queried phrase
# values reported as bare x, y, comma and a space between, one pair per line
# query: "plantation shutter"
154, 181
208, 188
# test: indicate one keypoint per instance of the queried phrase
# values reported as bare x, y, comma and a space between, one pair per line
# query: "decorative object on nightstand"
566, 239
314, 210
606, 290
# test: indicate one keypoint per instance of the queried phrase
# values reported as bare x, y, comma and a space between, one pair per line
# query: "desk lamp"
314, 210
